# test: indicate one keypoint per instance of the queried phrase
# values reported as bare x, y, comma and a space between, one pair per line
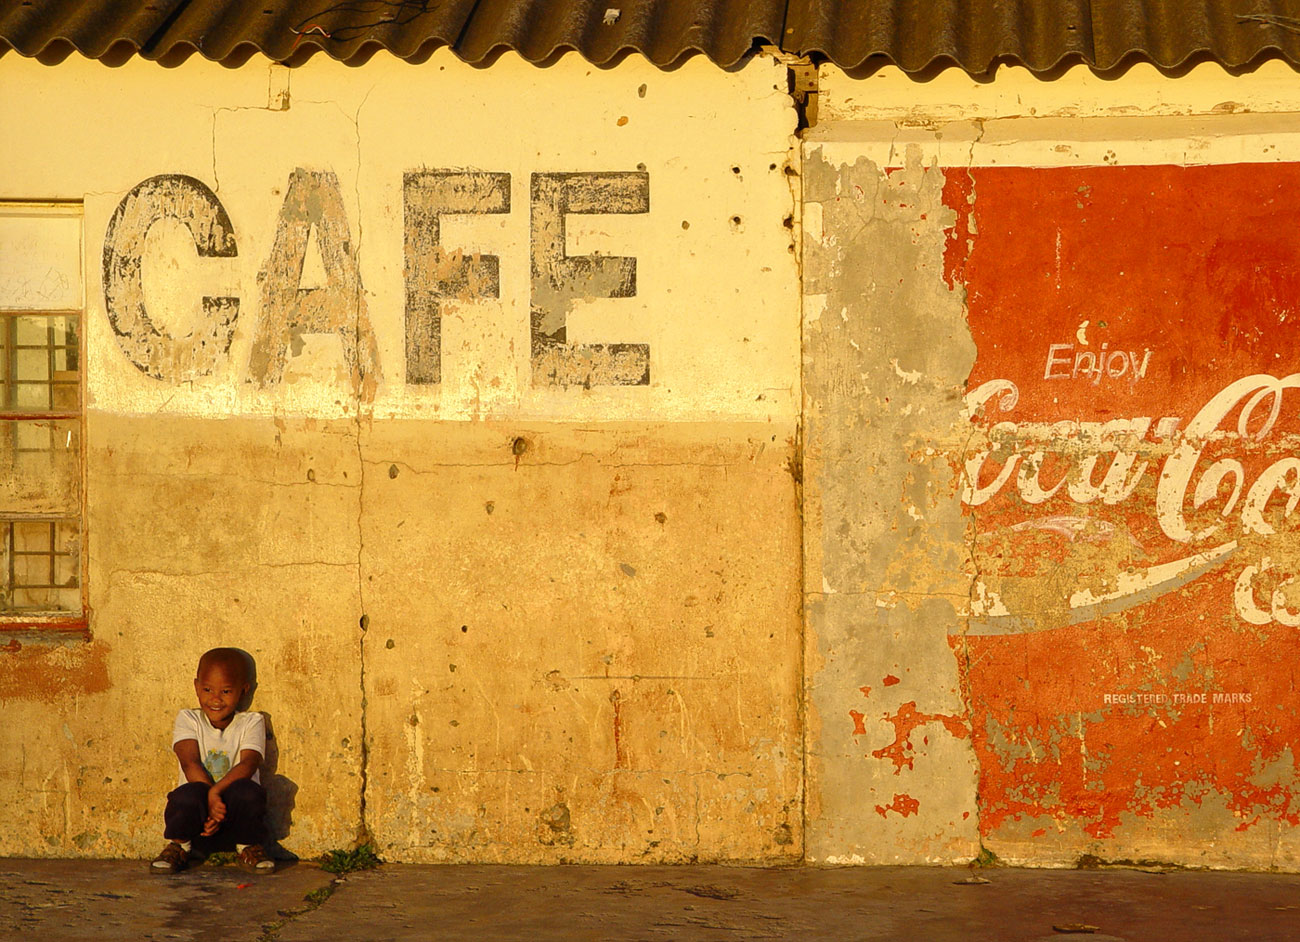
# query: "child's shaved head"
231, 661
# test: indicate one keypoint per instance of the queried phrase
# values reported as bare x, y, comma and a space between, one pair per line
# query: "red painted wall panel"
1134, 636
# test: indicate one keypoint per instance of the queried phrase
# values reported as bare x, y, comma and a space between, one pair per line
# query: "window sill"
18, 630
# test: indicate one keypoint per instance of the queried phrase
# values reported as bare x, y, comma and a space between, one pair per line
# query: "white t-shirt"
219, 748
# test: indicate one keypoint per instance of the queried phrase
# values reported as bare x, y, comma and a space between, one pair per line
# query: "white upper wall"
716, 290
1077, 119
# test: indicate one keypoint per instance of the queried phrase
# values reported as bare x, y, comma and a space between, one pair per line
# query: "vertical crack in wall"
276, 101
793, 171
216, 181
972, 535
363, 828
973, 566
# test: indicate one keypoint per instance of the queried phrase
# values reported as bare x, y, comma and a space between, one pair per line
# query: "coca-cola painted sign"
1131, 478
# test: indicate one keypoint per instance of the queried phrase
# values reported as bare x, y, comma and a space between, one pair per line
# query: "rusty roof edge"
615, 55
1099, 60
1067, 60
943, 61
309, 48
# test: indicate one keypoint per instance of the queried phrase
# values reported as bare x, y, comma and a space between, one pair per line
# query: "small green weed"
319, 895
348, 861
986, 858
219, 859
312, 901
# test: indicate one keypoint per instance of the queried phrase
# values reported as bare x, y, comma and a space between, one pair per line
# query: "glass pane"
32, 330
29, 397
31, 366
40, 466
40, 360
33, 436
66, 396
43, 558
65, 570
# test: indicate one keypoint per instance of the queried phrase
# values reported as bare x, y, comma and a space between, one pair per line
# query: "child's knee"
190, 795
247, 794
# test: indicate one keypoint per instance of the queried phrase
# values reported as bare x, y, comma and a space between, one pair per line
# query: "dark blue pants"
245, 823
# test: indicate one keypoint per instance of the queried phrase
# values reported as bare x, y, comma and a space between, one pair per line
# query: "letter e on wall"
559, 280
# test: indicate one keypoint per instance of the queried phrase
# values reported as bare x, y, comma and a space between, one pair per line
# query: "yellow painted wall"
499, 618
494, 619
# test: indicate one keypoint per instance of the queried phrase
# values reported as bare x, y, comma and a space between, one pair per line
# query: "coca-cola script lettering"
1219, 487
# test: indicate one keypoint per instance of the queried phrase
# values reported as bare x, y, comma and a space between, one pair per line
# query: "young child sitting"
219, 800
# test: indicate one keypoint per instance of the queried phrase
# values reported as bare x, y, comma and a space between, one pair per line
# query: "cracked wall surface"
464, 400
608, 635
571, 514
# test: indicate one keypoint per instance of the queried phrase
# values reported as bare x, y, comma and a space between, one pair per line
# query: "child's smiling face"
219, 690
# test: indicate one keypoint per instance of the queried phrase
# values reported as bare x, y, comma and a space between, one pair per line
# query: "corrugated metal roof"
913, 34
975, 34
969, 33
662, 30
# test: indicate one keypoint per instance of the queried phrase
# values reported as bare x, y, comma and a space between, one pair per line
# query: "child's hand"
216, 809
210, 827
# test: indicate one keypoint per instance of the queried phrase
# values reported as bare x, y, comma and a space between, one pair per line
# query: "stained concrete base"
58, 900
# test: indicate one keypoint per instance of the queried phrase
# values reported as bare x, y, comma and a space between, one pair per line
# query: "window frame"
15, 624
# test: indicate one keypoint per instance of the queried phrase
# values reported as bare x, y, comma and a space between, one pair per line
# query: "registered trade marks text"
1176, 699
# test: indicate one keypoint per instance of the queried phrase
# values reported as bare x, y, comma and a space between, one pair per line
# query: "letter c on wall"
154, 351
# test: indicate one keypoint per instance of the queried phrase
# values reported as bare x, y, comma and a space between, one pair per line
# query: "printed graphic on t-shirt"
217, 763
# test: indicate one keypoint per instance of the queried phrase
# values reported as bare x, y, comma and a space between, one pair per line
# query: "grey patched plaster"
891, 773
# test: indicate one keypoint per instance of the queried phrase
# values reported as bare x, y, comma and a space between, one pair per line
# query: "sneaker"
253, 859
172, 858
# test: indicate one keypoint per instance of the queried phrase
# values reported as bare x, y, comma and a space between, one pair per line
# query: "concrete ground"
58, 900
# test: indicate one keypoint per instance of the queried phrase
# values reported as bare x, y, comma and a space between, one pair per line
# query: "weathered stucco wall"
466, 401
572, 514
1049, 468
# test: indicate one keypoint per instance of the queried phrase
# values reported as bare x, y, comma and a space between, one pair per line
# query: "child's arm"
187, 751
249, 760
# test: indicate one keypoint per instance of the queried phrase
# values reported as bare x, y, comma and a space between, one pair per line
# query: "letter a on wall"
313, 201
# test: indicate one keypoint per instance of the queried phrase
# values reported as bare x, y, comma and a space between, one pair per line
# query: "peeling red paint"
958, 190
1096, 719
905, 722
50, 673
905, 805
866, 691
890, 680
859, 726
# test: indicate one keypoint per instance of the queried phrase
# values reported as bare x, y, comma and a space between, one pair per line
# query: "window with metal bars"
41, 416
